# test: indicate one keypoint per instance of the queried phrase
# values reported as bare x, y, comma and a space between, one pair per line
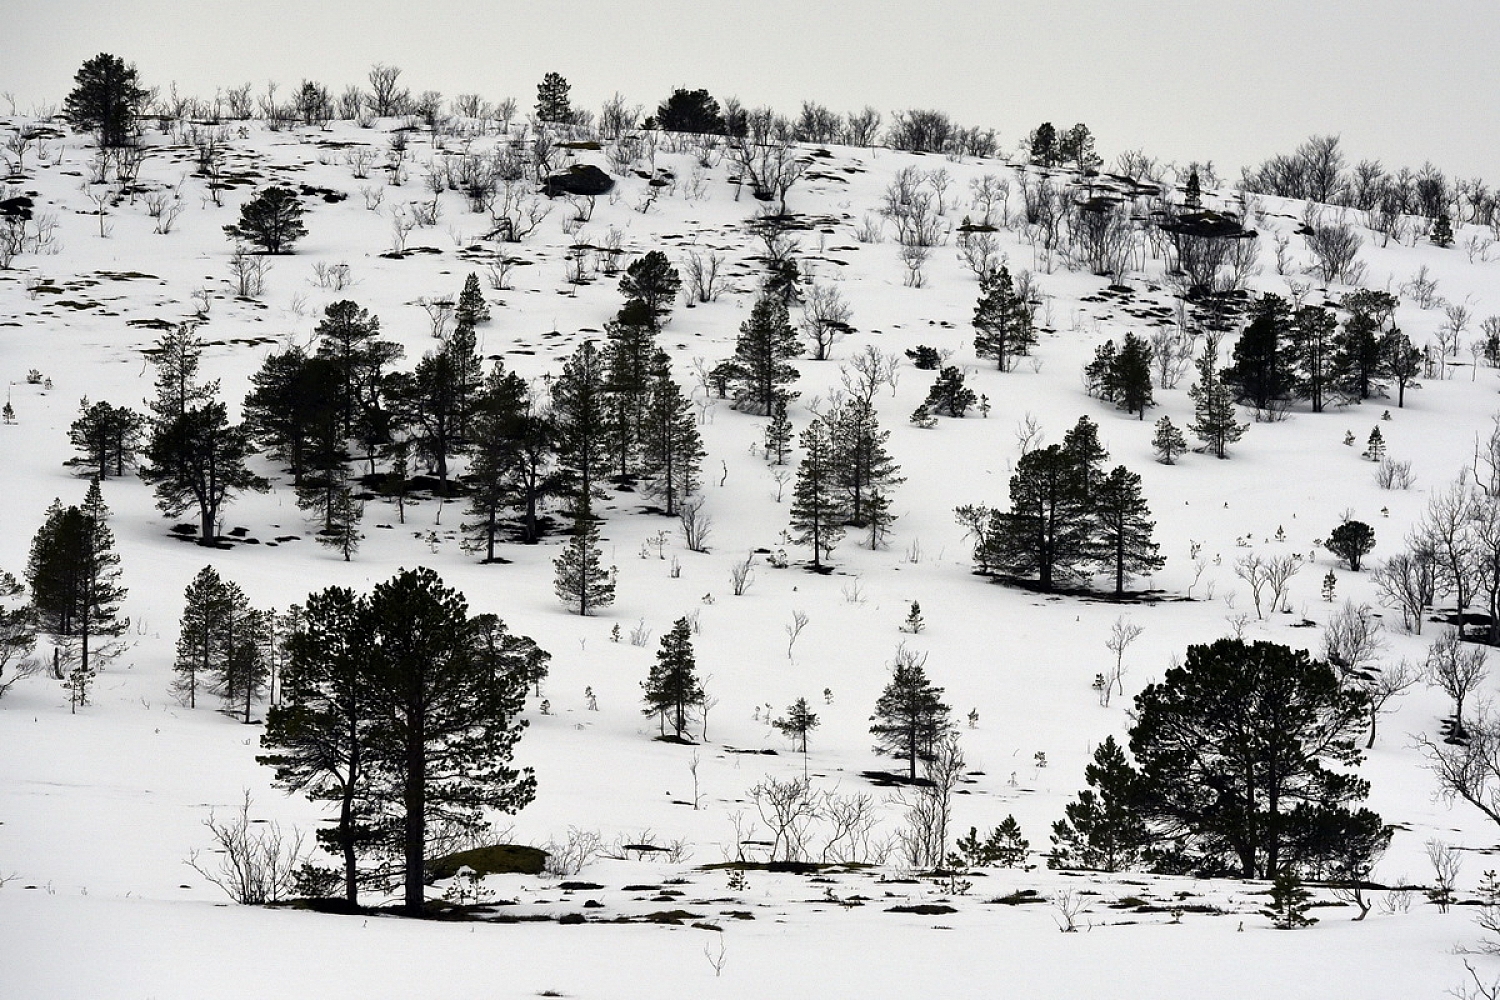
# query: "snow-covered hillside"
99, 809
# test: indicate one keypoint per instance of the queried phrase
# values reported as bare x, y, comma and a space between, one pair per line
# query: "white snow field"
100, 809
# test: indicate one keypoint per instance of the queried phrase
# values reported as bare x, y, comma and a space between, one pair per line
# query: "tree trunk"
415, 801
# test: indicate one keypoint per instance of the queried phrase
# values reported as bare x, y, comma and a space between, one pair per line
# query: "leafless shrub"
256, 861
701, 272
696, 525
742, 574
569, 856
1391, 474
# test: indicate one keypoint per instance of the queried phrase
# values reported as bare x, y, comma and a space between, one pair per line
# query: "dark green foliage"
580, 418
581, 581
1047, 532
406, 710
673, 688
925, 358
107, 438
1044, 152
349, 337
948, 395
1124, 528
1375, 445
1099, 377
472, 309
206, 606
762, 353
271, 220
1290, 903
864, 472
689, 111
652, 279
176, 356
198, 459
1004, 847
1351, 541
501, 410
1101, 829
435, 400
106, 98
910, 717
1310, 350
1358, 360
630, 359
1213, 405
1002, 321
797, 723
1260, 374
778, 436
1234, 749
1168, 441
296, 409
552, 99
73, 573
817, 512
672, 448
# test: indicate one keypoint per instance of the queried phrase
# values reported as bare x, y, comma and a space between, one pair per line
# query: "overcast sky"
1221, 80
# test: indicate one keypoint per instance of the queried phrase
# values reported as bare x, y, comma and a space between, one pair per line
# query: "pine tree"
350, 337
653, 280
778, 436
198, 459
1311, 353
493, 458
1168, 441
107, 438
1048, 530
673, 448
242, 670
1213, 405
1261, 374
205, 610
914, 622
1099, 375
673, 688
910, 717
472, 309
271, 220
296, 410
552, 99
1102, 829
1403, 361
176, 356
864, 472
797, 723
1442, 231
629, 360
817, 514
1375, 446
581, 581
344, 515
1125, 531
580, 414
949, 395
1002, 321
762, 354
1192, 191
1132, 376
1082, 446
1351, 541
17, 632
73, 573
106, 99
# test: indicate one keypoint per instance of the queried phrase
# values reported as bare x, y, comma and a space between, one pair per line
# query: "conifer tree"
242, 669
1048, 530
176, 357
106, 99
271, 219
73, 573
629, 358
778, 437
653, 280
1168, 441
107, 438
1358, 367
198, 460
1442, 231
1099, 375
580, 415
552, 99
205, 611
1261, 374
472, 309
1102, 829
864, 471
1132, 376
296, 410
1002, 321
350, 337
1082, 447
1311, 352
493, 458
1403, 361
1375, 446
762, 355
673, 688
581, 581
1125, 529
817, 513
1213, 405
673, 448
799, 720
345, 511
910, 717
949, 395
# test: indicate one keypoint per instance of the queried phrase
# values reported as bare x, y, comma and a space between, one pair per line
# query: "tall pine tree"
817, 510
673, 688
1002, 321
1125, 542
763, 353
580, 579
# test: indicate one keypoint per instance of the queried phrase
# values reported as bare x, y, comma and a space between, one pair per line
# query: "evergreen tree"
864, 472
17, 632
580, 415
1099, 375
672, 689
345, 511
629, 360
1234, 749
205, 610
949, 395
690, 111
350, 337
799, 720
493, 458
762, 355
552, 100
1048, 530
1132, 376
271, 220
1168, 441
296, 410
778, 437
534, 477
1358, 367
1290, 902
1125, 528
1260, 374
1082, 447
1002, 321
1402, 361
673, 448
242, 669
817, 514
1351, 541
429, 403
472, 309
73, 573
107, 438
198, 459
581, 581
1442, 231
1101, 829
1375, 446
318, 737
910, 717
1192, 191
1213, 405
1044, 145
176, 356
653, 280
1311, 353
106, 99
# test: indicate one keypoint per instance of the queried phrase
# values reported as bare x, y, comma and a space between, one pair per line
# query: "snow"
98, 810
